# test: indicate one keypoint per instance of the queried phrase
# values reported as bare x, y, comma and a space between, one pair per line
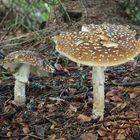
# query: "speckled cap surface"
14, 59
105, 45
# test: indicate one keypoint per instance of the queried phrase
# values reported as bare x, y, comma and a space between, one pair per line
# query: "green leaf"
45, 16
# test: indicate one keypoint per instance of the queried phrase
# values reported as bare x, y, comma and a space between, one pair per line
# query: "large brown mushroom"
106, 45
22, 63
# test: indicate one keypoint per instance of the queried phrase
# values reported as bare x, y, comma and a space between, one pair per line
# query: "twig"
56, 99
85, 130
127, 84
65, 10
5, 16
32, 135
26, 35
85, 10
50, 120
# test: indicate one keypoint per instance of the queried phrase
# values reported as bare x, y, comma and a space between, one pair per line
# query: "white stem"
98, 92
19, 92
21, 77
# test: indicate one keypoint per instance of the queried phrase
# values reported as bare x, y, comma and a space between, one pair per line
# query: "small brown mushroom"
21, 63
99, 46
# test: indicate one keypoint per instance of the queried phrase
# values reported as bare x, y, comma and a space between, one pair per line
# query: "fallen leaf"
52, 127
88, 136
9, 108
51, 107
120, 136
116, 98
66, 70
60, 138
26, 129
102, 131
73, 108
126, 79
40, 130
40, 105
9, 134
52, 137
84, 118
119, 107
134, 93
71, 80
58, 67
72, 91
111, 137
114, 95
132, 63
131, 115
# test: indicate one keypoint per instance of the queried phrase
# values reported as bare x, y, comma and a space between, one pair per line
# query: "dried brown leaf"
62, 138
66, 70
114, 95
52, 127
72, 91
119, 107
40, 130
26, 129
9, 134
132, 63
9, 108
52, 137
126, 79
102, 131
40, 105
116, 98
120, 136
84, 118
58, 67
134, 93
73, 108
111, 137
110, 123
88, 136
131, 115
51, 107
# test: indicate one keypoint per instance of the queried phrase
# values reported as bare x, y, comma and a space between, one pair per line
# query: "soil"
59, 106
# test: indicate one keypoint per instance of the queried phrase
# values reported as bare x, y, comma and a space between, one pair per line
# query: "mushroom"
22, 63
106, 45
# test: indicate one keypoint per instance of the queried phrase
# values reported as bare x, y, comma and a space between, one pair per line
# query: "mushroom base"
98, 90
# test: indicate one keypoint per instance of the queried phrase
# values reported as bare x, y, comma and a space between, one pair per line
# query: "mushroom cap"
13, 61
105, 45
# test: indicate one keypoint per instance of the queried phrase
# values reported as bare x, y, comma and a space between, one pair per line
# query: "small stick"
127, 84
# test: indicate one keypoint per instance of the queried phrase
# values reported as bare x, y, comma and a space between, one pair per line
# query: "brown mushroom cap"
13, 60
106, 45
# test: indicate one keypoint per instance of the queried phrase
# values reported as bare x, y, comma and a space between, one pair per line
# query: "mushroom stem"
19, 92
21, 77
98, 90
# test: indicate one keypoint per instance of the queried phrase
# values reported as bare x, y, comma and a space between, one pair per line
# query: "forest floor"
59, 106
